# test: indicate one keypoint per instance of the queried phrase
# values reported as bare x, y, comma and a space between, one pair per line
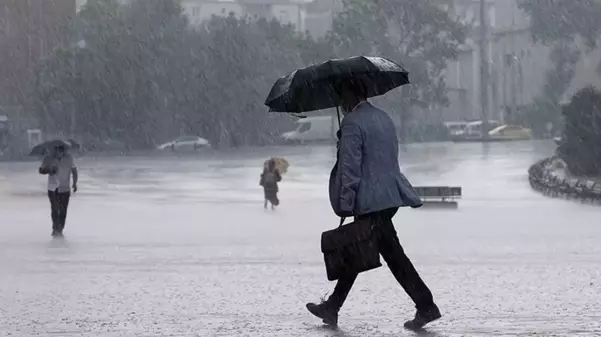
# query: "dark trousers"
392, 252
59, 202
271, 195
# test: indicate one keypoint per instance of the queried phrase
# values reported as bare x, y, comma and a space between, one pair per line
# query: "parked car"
473, 131
510, 132
185, 143
456, 128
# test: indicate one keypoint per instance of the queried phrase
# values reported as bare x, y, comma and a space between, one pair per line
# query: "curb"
544, 180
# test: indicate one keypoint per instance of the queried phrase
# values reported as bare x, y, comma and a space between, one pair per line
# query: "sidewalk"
177, 270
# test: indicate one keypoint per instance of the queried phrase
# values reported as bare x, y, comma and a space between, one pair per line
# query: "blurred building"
517, 65
29, 30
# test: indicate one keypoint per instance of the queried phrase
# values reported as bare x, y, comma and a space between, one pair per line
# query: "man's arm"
45, 168
351, 143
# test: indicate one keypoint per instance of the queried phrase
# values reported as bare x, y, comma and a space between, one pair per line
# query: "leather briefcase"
350, 249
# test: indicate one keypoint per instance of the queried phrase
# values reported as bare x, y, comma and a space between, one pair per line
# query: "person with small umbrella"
366, 181
59, 165
269, 181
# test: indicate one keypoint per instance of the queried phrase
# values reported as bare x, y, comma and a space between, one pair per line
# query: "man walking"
366, 182
59, 166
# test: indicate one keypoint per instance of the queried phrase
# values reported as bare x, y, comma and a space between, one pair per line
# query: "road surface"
181, 246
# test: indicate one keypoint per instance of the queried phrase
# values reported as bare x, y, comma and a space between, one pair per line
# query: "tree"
546, 106
145, 76
422, 35
570, 29
116, 83
246, 56
560, 20
581, 147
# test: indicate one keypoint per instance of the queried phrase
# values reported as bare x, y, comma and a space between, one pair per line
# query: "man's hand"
74, 188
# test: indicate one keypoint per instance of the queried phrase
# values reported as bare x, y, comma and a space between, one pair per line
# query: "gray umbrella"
47, 146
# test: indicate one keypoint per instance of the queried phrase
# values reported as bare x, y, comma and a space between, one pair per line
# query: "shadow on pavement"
333, 332
338, 332
426, 333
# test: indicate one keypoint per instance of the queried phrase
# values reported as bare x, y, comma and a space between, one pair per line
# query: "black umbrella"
46, 147
313, 88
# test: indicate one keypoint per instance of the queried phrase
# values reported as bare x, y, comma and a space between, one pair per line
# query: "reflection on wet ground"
181, 246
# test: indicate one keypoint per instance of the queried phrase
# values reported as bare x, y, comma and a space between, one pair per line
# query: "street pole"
484, 68
513, 69
77, 47
514, 91
73, 102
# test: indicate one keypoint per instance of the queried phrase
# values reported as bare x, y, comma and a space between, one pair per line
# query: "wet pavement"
181, 246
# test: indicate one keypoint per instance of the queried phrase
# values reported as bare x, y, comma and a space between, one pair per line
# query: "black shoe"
55, 233
328, 315
422, 318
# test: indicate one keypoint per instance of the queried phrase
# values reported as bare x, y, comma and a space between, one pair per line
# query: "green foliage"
581, 148
144, 76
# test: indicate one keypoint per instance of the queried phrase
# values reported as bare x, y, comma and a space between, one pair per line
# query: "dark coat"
269, 181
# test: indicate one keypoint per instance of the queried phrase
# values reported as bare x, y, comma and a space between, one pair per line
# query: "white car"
185, 143
313, 129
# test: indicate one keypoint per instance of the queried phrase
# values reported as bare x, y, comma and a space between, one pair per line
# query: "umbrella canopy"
47, 146
313, 88
281, 164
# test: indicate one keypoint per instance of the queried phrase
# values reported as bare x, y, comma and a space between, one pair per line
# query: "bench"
438, 193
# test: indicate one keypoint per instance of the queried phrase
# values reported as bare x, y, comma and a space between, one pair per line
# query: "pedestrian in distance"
59, 165
269, 180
